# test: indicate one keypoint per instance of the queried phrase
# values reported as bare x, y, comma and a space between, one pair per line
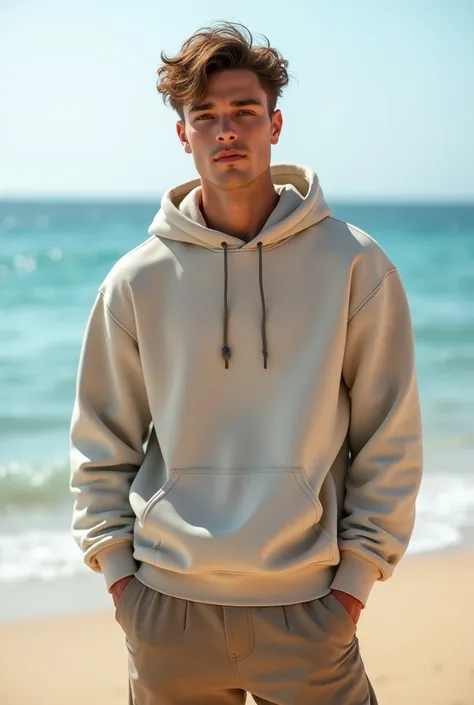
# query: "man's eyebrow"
243, 102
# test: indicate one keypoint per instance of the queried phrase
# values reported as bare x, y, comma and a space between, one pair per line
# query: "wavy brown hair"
183, 79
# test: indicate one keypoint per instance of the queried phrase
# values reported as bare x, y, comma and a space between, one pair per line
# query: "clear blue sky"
382, 104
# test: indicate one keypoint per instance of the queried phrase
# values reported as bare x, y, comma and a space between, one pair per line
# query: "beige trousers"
190, 653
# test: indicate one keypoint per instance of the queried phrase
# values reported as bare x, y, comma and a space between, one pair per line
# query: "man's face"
232, 116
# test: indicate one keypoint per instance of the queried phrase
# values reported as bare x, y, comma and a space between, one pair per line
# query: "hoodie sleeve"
110, 424
385, 439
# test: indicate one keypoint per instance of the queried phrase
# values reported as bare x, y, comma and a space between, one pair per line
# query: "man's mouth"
226, 157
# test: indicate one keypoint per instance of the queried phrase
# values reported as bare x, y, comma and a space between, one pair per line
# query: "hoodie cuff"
356, 576
116, 562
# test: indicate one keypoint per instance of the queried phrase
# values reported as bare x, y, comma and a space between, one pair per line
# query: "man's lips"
224, 158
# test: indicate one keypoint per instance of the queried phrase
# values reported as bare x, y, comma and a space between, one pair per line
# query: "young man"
246, 444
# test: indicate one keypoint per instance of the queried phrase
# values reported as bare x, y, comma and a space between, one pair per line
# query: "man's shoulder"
363, 259
362, 253
353, 239
135, 262
132, 274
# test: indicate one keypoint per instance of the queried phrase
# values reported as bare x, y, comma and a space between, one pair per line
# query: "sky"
381, 103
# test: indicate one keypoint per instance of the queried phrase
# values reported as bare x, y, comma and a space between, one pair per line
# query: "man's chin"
233, 178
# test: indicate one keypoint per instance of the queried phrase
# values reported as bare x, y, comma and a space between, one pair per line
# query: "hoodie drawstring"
264, 311
226, 351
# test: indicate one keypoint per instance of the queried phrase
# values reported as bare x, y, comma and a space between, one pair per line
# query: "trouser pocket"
130, 593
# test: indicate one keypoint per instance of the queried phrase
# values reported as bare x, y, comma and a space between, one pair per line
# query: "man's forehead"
228, 84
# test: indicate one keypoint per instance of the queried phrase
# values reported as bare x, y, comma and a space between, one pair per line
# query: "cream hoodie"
246, 429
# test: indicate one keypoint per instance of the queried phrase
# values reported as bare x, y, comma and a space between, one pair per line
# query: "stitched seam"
138, 247
353, 227
115, 319
251, 638
257, 575
366, 558
112, 544
92, 553
237, 674
239, 471
317, 562
372, 294
240, 250
230, 645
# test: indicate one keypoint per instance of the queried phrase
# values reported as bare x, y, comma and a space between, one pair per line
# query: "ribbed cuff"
116, 562
356, 576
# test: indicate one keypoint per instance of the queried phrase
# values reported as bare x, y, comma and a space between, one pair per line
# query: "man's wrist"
121, 581
118, 587
351, 604
348, 596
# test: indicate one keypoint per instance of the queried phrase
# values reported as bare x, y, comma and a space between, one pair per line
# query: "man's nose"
226, 131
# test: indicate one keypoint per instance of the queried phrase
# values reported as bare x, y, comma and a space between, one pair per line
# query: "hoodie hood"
301, 205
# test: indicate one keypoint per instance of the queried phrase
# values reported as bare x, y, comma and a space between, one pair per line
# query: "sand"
416, 638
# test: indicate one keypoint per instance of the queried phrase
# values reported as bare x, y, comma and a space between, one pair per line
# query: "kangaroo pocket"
242, 521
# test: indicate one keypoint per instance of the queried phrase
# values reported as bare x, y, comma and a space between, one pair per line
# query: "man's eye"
206, 116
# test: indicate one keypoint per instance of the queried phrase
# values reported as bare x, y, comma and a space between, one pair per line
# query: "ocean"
54, 255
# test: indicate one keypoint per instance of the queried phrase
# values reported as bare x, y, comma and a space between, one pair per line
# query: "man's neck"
241, 212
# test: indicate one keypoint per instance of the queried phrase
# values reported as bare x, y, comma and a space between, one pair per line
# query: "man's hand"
351, 604
117, 588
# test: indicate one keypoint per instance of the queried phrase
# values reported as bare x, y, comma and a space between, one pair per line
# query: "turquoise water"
53, 256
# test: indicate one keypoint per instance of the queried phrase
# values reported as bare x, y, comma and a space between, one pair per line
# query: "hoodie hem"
241, 590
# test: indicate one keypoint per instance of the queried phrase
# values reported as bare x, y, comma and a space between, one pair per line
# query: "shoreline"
85, 593
415, 636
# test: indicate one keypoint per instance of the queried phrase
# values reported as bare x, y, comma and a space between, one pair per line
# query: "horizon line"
148, 198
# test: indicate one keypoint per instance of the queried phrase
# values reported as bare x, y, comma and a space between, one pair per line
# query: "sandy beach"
416, 639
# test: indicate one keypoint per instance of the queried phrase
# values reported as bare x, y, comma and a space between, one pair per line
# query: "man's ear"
181, 130
277, 125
